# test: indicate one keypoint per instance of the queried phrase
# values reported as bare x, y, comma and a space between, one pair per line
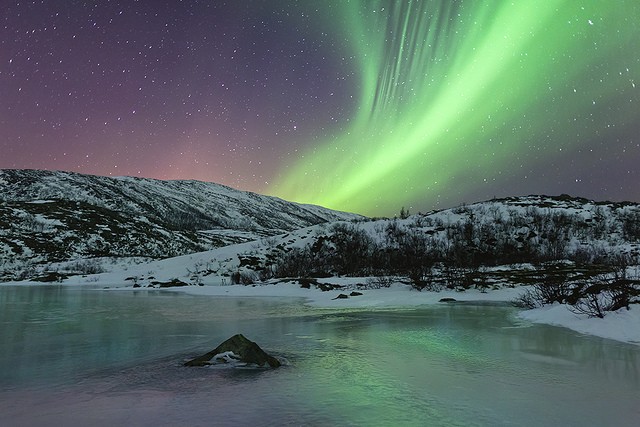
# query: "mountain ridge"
53, 221
30, 184
57, 216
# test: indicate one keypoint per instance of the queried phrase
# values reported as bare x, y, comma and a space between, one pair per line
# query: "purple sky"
238, 92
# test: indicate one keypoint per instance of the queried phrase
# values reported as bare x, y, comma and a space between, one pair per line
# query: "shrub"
593, 297
245, 277
378, 282
85, 267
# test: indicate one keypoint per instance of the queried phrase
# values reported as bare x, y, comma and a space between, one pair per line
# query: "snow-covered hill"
60, 217
453, 246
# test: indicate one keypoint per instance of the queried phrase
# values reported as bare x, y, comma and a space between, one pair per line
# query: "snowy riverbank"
623, 325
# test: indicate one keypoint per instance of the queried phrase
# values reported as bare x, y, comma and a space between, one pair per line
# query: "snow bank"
396, 296
621, 325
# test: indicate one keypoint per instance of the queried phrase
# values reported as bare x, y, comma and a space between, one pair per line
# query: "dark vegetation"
460, 247
77, 234
572, 258
592, 294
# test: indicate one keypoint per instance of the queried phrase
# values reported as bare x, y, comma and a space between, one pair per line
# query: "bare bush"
593, 305
378, 282
245, 277
593, 297
528, 299
89, 266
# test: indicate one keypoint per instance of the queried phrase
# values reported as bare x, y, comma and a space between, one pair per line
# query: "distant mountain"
61, 217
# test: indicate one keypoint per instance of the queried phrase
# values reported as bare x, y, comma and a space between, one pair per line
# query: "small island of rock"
236, 349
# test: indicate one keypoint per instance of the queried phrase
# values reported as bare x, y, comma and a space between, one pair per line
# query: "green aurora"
456, 96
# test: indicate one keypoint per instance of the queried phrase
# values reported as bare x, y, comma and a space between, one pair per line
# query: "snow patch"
622, 325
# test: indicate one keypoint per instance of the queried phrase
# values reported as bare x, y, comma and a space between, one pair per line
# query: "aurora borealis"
362, 106
455, 94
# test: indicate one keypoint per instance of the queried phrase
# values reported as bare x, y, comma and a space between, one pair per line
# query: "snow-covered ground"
621, 325
396, 296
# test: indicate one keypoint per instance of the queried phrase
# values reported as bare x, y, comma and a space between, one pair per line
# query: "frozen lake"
89, 357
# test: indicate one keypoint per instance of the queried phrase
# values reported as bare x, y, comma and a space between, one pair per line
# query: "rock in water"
246, 351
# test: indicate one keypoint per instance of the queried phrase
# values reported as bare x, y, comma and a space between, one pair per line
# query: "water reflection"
119, 354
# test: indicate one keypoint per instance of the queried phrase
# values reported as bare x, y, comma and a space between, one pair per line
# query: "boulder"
171, 284
236, 349
325, 287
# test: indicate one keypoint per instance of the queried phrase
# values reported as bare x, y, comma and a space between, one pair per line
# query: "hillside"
455, 248
82, 223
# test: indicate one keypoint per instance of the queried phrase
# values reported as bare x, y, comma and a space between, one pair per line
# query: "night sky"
364, 106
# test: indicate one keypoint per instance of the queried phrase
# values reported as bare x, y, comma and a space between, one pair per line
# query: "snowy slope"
527, 229
57, 217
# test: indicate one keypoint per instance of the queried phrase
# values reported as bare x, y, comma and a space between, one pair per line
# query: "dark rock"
342, 296
171, 284
304, 282
243, 351
50, 276
325, 287
355, 294
448, 300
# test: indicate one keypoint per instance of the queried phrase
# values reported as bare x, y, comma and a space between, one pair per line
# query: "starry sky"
365, 106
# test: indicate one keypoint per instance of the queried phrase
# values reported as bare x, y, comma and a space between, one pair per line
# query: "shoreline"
622, 325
